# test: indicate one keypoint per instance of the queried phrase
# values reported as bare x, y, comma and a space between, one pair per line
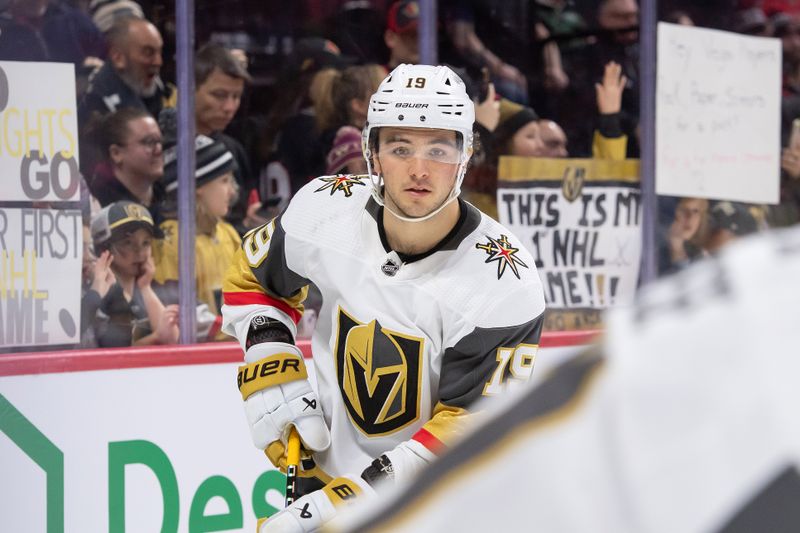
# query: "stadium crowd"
281, 96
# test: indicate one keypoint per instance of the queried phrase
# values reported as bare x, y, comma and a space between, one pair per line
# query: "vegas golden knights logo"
572, 183
379, 373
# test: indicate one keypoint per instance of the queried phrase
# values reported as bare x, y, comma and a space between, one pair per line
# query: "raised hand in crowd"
790, 156
555, 79
790, 162
609, 91
167, 328
102, 276
487, 113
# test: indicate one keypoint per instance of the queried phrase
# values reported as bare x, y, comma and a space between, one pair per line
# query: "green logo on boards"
44, 453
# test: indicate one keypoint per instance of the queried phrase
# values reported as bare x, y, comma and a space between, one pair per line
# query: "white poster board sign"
39, 136
40, 270
717, 115
580, 220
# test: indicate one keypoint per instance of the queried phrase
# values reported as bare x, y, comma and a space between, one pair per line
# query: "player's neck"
412, 238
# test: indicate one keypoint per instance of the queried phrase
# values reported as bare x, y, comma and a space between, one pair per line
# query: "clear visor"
439, 151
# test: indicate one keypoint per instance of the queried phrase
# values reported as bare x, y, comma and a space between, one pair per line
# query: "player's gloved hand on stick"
313, 510
277, 394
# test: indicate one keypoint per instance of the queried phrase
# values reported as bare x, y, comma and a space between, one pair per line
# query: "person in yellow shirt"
216, 241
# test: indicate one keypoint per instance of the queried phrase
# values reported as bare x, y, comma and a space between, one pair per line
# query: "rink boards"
142, 440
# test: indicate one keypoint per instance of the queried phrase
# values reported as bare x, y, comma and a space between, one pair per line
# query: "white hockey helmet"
420, 96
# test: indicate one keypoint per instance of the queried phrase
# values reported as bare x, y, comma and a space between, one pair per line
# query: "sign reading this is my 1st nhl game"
580, 219
40, 226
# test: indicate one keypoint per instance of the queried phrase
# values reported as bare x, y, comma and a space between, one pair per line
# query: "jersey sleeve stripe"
427, 439
248, 298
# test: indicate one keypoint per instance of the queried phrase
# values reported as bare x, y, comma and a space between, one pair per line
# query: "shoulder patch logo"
379, 373
504, 253
342, 183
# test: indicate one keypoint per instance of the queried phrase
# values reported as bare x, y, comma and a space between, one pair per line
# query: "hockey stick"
292, 461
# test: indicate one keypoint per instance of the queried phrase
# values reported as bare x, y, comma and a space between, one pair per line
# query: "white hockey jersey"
687, 423
403, 345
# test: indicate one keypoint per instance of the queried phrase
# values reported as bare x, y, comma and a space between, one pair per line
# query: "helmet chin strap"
377, 182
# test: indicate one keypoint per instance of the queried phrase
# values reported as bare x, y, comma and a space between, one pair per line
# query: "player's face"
418, 166
131, 252
216, 101
217, 195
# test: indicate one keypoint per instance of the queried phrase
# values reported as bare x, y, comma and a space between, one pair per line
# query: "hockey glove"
398, 465
276, 392
312, 511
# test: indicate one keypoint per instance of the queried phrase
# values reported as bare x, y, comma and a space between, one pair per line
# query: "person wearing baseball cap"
402, 23
216, 240
128, 312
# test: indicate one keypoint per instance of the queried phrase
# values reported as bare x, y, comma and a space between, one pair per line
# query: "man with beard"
130, 76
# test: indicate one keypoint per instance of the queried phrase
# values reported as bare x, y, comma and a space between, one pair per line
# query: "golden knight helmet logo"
572, 183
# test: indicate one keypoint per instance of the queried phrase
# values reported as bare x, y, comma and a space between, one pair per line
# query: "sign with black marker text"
580, 219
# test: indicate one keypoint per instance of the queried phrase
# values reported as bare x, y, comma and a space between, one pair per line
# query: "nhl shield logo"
390, 267
572, 182
379, 374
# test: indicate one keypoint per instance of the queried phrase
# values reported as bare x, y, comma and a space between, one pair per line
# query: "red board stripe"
196, 354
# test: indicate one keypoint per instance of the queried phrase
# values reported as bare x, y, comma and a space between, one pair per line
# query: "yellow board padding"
525, 169
270, 371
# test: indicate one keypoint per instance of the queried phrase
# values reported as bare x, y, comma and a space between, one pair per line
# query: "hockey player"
428, 304
679, 425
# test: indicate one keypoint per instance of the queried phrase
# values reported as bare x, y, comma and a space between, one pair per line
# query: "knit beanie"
212, 160
513, 117
346, 148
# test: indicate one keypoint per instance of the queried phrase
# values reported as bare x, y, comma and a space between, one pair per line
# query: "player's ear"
376, 164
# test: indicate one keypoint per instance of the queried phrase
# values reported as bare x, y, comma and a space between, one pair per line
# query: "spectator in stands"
96, 280
291, 152
519, 132
131, 141
216, 241
130, 76
554, 140
751, 21
344, 99
616, 42
106, 12
220, 80
685, 238
129, 313
401, 37
502, 34
727, 222
345, 156
786, 27
50, 30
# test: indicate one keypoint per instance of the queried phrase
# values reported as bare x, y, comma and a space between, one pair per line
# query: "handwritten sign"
717, 115
38, 132
40, 265
580, 220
